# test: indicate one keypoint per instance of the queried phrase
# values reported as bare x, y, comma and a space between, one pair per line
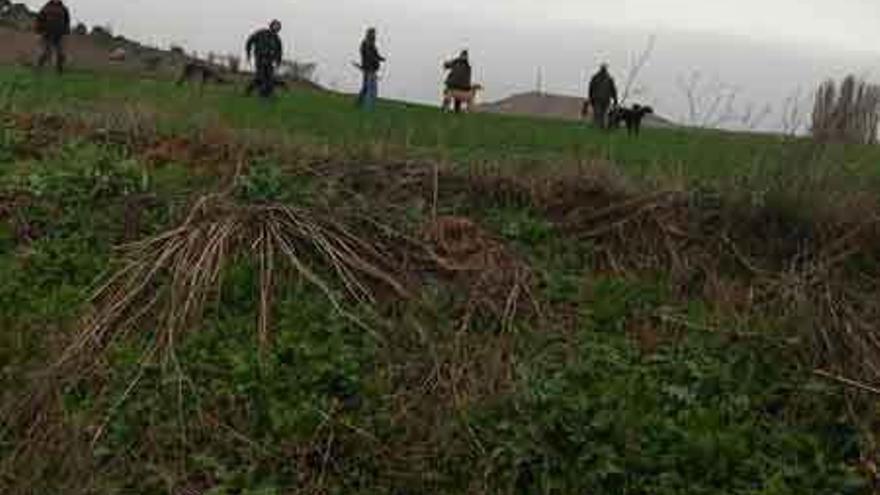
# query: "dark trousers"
52, 45
600, 113
264, 79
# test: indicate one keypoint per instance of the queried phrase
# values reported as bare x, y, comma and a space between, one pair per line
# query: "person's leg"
60, 57
264, 78
45, 51
269, 80
362, 95
372, 90
601, 115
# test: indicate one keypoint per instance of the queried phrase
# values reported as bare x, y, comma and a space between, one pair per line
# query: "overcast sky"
763, 51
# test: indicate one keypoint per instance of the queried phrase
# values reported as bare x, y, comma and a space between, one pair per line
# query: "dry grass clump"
171, 276
499, 284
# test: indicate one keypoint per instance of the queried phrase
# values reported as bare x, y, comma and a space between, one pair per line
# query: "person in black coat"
459, 78
265, 47
371, 62
53, 24
603, 92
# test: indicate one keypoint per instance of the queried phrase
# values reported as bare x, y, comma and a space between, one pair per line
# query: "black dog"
631, 116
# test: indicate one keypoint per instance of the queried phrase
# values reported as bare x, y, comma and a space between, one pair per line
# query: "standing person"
459, 78
371, 61
265, 47
603, 92
53, 24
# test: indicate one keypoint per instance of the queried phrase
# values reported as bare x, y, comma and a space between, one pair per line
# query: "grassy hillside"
203, 293
324, 118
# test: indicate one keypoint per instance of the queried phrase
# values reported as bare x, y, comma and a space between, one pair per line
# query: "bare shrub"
636, 65
849, 112
298, 71
233, 63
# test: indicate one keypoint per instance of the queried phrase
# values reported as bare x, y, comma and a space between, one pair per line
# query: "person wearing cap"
371, 61
602, 93
264, 46
459, 78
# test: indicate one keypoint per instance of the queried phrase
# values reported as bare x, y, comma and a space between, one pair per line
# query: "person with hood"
602, 93
371, 62
53, 24
265, 47
459, 78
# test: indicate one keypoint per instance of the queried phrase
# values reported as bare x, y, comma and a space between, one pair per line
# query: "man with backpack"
265, 47
53, 24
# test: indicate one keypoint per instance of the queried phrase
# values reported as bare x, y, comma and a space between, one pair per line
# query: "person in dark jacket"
459, 77
603, 92
264, 46
53, 24
371, 62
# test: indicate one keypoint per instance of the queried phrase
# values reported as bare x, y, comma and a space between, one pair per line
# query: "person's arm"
40, 21
279, 50
613, 92
249, 46
66, 20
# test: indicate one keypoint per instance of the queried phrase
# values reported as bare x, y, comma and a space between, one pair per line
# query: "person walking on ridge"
265, 47
371, 62
460, 75
53, 24
602, 93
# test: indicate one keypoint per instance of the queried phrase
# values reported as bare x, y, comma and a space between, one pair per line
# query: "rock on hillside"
555, 106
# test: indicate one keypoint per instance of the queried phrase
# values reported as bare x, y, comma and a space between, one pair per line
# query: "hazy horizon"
759, 58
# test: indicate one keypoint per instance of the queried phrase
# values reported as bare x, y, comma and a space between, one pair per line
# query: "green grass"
575, 404
331, 119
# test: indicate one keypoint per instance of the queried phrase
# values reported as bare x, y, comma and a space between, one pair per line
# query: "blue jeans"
369, 91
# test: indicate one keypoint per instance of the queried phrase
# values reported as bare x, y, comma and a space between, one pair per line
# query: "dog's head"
641, 111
